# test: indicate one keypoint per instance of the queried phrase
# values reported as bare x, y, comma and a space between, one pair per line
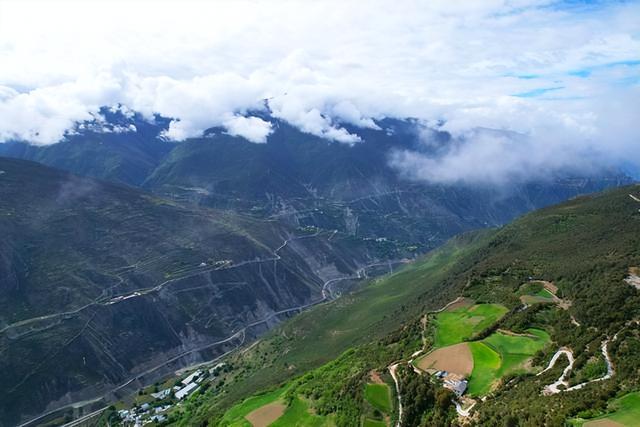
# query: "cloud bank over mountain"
564, 76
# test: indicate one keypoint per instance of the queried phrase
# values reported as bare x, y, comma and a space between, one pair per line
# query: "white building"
186, 391
190, 378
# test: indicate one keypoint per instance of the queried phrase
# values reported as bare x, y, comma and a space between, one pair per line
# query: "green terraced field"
500, 354
297, 413
235, 416
515, 350
459, 325
379, 396
532, 293
486, 363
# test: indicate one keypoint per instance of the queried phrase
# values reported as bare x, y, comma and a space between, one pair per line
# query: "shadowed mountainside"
100, 283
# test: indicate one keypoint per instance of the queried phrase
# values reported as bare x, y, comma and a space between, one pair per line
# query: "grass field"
296, 414
500, 354
535, 292
626, 412
379, 396
543, 293
368, 422
455, 326
235, 417
486, 363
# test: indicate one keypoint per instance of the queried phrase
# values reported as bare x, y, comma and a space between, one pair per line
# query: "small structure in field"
456, 383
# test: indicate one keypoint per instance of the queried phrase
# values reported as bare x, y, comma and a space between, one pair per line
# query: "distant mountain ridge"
302, 179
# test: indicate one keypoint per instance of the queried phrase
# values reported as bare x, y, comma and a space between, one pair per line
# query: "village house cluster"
165, 399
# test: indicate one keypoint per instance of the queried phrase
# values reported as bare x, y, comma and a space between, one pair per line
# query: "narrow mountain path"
392, 371
610, 370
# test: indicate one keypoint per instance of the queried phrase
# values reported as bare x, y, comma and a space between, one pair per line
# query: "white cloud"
253, 129
330, 63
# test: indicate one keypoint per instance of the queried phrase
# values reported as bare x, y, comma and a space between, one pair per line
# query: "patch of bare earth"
266, 414
550, 286
634, 277
455, 358
375, 377
602, 423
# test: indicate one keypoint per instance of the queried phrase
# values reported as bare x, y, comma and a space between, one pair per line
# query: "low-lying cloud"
463, 65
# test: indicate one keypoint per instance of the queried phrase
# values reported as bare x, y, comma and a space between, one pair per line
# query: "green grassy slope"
459, 325
384, 317
624, 410
321, 334
486, 363
499, 355
379, 396
236, 415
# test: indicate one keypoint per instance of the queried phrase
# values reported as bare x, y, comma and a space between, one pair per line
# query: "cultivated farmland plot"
483, 362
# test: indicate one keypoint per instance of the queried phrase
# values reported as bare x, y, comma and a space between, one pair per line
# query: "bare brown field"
455, 358
266, 414
602, 423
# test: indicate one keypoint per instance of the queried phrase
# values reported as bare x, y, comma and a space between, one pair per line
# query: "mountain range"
127, 256
304, 180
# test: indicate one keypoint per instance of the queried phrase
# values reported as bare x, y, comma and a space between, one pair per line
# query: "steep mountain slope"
306, 180
101, 284
584, 247
117, 148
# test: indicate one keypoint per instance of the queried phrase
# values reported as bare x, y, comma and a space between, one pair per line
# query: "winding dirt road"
392, 371
554, 387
